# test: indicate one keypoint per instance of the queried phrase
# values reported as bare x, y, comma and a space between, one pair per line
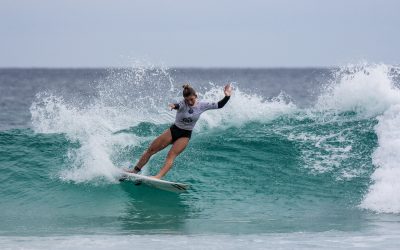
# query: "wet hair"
188, 91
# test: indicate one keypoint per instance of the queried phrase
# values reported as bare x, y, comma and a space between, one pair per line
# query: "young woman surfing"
188, 112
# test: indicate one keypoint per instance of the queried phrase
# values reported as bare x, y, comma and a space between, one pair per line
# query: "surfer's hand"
228, 89
171, 106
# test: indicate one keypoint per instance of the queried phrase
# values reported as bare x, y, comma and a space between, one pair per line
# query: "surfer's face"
191, 100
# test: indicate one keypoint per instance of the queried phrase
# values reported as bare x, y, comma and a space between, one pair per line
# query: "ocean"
302, 158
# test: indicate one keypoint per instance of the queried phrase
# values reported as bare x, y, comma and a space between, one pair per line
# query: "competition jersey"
187, 116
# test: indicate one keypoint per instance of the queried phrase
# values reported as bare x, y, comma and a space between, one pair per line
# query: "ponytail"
188, 91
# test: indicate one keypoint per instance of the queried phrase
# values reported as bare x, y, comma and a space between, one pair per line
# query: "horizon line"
173, 67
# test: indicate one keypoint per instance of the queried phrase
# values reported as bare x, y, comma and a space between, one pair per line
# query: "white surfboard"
138, 179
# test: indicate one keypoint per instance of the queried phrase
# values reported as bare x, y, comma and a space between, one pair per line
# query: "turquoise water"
265, 167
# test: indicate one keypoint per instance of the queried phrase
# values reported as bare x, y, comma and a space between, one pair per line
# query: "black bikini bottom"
178, 133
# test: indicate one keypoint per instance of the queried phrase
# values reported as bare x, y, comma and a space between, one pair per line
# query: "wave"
335, 135
372, 92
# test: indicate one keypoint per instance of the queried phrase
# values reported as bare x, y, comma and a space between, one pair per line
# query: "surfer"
188, 112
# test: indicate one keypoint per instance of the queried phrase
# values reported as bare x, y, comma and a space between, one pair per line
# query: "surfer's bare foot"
156, 177
132, 170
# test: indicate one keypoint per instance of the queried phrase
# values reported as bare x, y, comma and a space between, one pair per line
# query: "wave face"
310, 150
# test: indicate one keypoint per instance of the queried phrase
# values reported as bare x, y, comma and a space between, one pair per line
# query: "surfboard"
170, 186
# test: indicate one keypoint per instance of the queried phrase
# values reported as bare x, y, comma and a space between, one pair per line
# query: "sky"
204, 33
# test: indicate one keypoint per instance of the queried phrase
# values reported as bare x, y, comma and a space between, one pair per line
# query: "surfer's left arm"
227, 92
217, 105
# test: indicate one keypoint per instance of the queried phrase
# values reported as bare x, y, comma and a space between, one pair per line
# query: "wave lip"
368, 90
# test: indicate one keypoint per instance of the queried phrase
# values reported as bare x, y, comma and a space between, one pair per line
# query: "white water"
366, 89
384, 194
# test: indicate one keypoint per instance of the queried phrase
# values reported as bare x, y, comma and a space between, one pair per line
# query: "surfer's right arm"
174, 106
177, 106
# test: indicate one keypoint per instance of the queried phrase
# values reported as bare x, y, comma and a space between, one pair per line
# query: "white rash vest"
187, 116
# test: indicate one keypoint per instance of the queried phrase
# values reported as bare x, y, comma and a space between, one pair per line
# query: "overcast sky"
203, 33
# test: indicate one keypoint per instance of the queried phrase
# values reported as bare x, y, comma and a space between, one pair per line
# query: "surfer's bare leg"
178, 146
158, 144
